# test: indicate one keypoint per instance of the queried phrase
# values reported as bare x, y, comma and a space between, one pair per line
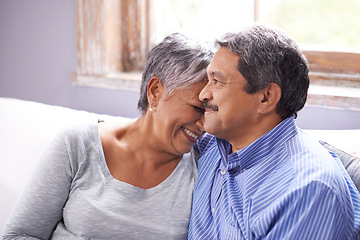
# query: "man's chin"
209, 128
210, 121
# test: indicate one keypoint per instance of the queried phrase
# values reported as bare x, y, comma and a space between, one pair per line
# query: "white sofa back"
26, 128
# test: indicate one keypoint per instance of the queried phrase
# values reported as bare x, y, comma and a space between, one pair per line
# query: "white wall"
38, 56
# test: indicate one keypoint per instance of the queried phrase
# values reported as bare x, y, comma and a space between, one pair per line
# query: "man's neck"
255, 132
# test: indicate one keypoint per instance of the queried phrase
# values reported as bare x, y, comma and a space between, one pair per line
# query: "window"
203, 19
328, 32
114, 37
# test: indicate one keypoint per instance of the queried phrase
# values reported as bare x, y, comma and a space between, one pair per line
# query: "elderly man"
260, 176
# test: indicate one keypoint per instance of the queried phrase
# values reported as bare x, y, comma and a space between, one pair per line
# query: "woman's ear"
270, 96
154, 90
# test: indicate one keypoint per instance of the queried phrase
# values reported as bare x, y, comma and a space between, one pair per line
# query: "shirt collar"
249, 156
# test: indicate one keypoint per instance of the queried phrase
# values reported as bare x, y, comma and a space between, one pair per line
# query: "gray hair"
178, 62
267, 55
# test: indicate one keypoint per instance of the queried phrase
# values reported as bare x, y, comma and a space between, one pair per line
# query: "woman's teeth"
190, 133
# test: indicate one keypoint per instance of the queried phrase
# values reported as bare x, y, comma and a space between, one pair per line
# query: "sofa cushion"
351, 163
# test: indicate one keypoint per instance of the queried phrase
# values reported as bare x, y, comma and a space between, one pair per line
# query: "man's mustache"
208, 105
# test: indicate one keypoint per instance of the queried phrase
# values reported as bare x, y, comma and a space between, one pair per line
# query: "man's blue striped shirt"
284, 185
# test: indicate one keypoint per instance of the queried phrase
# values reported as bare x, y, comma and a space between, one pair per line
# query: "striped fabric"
284, 185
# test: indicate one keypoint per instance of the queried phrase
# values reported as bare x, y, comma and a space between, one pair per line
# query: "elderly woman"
125, 181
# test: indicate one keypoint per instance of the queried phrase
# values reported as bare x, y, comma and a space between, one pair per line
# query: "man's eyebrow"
217, 74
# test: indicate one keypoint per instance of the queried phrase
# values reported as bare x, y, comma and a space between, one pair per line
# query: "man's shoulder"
312, 162
304, 146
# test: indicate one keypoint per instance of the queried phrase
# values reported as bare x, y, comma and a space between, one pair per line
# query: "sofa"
27, 127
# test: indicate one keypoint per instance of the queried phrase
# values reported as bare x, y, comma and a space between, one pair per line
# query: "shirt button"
213, 209
223, 171
243, 170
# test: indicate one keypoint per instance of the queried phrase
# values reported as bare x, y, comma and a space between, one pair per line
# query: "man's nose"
205, 94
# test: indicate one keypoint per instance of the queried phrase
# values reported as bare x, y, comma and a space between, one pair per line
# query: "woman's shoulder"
110, 130
78, 132
75, 140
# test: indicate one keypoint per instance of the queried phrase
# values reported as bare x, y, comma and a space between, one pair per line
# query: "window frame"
112, 53
335, 76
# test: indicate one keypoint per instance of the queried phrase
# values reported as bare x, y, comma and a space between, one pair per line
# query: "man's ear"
154, 90
270, 96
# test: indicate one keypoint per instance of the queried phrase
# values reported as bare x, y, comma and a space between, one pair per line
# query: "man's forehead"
221, 69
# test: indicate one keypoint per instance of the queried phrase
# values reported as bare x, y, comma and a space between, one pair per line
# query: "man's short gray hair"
267, 54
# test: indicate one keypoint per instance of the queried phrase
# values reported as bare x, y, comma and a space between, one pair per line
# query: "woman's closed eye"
198, 109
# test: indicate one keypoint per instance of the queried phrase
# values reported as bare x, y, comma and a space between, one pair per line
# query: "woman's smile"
192, 136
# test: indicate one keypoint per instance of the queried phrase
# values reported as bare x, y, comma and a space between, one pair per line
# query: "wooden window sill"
126, 81
344, 94
340, 90
334, 96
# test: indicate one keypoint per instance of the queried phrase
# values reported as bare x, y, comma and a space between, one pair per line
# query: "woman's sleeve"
40, 206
